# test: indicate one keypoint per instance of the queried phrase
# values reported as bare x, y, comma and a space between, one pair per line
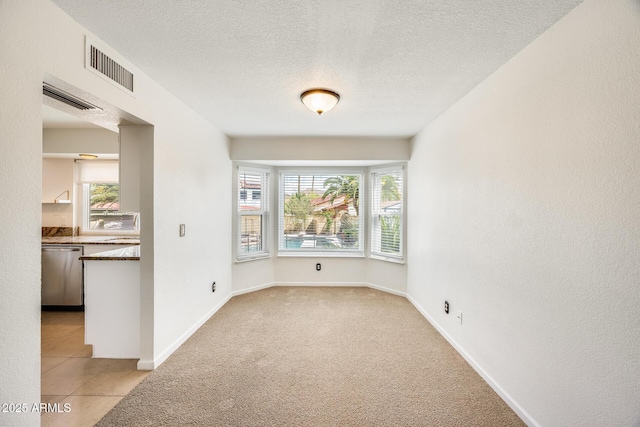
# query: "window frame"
374, 212
263, 212
322, 171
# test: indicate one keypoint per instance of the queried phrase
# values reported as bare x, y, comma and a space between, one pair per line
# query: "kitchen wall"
57, 178
39, 41
58, 173
527, 220
75, 141
301, 151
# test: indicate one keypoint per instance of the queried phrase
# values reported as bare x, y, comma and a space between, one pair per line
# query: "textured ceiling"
242, 64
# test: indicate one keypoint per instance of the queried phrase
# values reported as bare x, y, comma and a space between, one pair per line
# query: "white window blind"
386, 212
320, 212
94, 171
253, 209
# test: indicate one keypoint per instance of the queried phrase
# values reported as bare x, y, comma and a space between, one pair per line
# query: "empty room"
334, 213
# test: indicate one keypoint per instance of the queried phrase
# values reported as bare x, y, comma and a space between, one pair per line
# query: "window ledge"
388, 259
311, 254
252, 258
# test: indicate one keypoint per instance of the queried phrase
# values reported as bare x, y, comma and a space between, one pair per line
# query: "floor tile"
91, 387
84, 411
116, 380
46, 363
52, 399
70, 375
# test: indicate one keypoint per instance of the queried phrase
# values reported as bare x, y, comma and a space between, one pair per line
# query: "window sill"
388, 259
252, 258
311, 254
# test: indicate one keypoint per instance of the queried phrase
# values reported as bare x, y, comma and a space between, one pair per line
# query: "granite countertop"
130, 253
90, 240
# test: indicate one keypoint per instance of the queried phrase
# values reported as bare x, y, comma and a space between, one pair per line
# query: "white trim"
321, 284
146, 365
324, 284
515, 406
387, 290
253, 289
316, 254
395, 260
261, 255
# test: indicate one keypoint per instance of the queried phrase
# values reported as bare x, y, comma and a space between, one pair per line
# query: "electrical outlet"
459, 316
446, 307
213, 287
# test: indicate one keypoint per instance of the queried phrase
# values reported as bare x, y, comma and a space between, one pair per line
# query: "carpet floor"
293, 356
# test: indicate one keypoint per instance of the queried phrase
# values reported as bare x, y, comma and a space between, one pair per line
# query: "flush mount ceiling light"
319, 100
88, 156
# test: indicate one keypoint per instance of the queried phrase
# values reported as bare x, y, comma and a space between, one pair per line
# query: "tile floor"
90, 386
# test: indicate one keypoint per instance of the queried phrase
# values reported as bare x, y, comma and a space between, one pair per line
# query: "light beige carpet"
314, 357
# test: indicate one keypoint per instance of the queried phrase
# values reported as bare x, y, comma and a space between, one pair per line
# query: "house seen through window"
320, 211
103, 209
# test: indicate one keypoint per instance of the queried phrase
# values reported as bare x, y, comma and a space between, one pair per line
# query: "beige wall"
39, 41
526, 219
57, 177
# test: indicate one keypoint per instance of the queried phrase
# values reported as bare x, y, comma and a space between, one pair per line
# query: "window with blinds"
387, 212
253, 210
100, 191
319, 212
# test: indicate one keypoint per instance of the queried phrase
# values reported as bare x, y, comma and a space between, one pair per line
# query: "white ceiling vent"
107, 66
66, 98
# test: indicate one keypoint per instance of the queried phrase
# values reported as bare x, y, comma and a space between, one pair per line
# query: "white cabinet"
112, 308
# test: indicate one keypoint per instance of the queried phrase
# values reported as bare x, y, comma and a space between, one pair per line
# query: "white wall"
320, 149
76, 141
21, 177
57, 177
191, 181
527, 219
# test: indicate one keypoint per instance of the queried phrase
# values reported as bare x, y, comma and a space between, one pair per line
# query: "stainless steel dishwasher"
62, 277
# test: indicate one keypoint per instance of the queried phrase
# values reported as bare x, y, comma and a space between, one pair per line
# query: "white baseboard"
322, 284
253, 289
515, 406
147, 365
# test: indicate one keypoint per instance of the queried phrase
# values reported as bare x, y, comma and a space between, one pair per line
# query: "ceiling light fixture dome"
319, 100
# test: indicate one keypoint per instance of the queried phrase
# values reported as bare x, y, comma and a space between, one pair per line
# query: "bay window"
252, 212
387, 212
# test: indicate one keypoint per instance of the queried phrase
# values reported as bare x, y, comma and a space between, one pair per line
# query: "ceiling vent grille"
105, 66
67, 98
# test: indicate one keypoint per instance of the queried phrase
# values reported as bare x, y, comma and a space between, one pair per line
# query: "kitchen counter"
90, 240
130, 253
